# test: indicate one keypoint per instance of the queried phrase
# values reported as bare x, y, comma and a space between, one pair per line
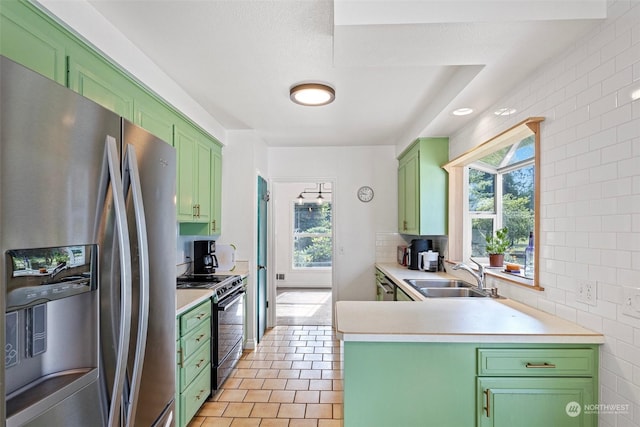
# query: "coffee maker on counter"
204, 257
417, 246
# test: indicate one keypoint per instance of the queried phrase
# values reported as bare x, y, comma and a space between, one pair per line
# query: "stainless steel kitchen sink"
438, 283
451, 292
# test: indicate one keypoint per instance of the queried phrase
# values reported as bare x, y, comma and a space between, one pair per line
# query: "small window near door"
312, 241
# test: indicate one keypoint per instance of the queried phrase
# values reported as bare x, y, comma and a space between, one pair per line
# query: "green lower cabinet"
409, 384
193, 370
534, 402
469, 384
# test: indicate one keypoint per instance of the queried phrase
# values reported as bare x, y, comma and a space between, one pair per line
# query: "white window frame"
295, 235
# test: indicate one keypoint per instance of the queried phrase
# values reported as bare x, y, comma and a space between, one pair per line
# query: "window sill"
516, 279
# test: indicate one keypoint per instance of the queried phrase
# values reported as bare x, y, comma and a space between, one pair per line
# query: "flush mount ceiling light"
312, 94
462, 111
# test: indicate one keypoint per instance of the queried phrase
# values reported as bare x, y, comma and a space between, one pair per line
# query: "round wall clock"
365, 194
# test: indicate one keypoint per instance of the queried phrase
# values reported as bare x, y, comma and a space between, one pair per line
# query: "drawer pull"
199, 363
487, 393
201, 315
203, 335
199, 396
180, 360
544, 365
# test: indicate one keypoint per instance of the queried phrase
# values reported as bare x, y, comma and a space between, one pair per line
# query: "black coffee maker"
204, 257
417, 246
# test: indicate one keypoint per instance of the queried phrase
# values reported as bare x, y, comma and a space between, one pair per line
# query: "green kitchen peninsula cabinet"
422, 188
536, 387
193, 371
439, 384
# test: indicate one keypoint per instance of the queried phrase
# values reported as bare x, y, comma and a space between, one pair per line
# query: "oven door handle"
227, 305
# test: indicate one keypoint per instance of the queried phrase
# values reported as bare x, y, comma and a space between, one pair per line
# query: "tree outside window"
312, 237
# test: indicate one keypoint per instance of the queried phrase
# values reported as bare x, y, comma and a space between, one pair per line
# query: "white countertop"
470, 320
189, 298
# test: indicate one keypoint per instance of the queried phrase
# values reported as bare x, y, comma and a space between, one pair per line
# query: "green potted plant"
497, 245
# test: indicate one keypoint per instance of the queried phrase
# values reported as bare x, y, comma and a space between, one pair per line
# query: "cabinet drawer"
536, 362
195, 339
192, 318
195, 364
194, 396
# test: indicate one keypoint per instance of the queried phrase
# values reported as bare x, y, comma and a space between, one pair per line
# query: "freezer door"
157, 169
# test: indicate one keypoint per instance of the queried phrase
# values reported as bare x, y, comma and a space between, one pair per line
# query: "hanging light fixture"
312, 94
319, 198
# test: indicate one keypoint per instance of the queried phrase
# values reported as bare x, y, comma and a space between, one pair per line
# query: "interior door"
263, 197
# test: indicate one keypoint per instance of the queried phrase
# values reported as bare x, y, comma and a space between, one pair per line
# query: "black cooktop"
221, 284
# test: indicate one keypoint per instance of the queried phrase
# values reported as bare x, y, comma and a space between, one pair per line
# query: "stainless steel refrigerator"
88, 236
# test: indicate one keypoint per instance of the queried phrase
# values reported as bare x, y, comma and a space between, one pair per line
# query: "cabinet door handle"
544, 365
195, 211
213, 225
180, 360
487, 393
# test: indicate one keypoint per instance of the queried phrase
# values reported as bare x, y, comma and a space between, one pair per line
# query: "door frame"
271, 273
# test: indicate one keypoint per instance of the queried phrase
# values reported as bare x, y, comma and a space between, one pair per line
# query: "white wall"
590, 195
243, 159
355, 223
284, 195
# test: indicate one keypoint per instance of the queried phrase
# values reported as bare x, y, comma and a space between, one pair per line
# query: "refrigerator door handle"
131, 177
115, 178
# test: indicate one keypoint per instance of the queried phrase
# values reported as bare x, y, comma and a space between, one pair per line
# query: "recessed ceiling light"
507, 111
312, 94
462, 111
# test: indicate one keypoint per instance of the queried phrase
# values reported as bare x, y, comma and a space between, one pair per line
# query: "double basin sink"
445, 288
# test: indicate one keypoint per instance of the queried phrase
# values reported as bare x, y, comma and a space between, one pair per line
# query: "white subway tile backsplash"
590, 216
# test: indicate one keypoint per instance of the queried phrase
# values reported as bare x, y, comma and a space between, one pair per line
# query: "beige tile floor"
293, 379
295, 306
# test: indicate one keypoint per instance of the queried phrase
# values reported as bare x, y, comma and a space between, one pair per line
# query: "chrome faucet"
479, 276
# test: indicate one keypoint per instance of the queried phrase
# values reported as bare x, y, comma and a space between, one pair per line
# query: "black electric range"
223, 285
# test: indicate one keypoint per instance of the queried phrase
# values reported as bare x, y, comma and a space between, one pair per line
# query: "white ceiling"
399, 67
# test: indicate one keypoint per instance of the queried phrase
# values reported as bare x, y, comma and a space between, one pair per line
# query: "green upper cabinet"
26, 38
94, 78
216, 190
422, 188
199, 176
32, 38
155, 117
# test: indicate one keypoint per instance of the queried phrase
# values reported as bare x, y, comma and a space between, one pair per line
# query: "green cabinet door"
154, 117
198, 198
423, 188
203, 186
534, 402
28, 38
185, 146
409, 193
94, 78
216, 191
